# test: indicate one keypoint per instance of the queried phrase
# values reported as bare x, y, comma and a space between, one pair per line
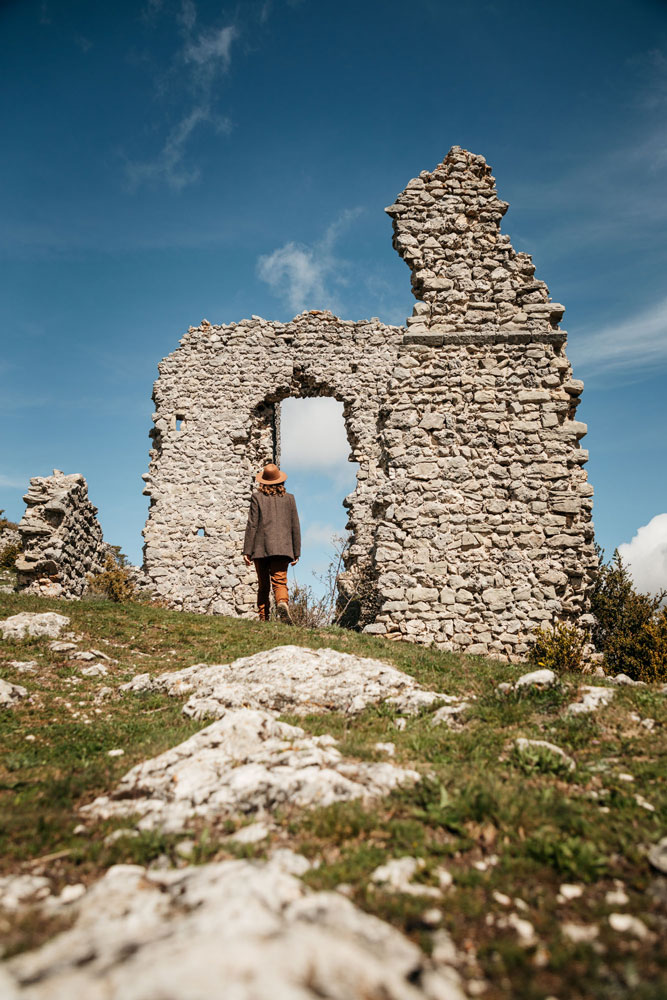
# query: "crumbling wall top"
465, 272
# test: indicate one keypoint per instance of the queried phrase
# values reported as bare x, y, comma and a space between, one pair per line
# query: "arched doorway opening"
313, 447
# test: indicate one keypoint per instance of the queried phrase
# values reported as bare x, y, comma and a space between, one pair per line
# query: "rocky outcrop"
34, 625
241, 929
247, 763
293, 679
60, 536
471, 518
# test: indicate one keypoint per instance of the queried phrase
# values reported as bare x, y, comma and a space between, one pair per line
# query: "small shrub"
306, 609
115, 581
630, 628
540, 760
571, 855
8, 555
559, 648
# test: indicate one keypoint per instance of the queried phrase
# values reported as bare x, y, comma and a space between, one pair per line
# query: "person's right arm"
296, 533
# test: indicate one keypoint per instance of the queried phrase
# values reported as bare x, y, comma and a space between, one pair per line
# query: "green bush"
630, 628
558, 648
115, 581
8, 555
4, 523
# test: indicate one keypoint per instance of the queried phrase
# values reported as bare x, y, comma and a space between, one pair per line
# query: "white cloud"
312, 435
646, 555
320, 534
635, 343
304, 276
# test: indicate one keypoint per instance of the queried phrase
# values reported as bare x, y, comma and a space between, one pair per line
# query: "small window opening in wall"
179, 421
201, 532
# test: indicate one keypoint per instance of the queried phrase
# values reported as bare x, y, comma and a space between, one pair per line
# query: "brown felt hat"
271, 475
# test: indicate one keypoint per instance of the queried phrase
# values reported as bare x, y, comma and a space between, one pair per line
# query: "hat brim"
271, 482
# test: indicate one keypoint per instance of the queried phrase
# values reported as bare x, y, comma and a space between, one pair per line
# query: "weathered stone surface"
248, 931
537, 678
397, 876
10, 693
24, 666
31, 624
17, 891
61, 538
245, 763
591, 698
291, 679
462, 422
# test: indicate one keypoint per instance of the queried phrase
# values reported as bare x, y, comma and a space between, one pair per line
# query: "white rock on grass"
245, 763
397, 874
569, 891
451, 714
291, 679
251, 834
524, 929
248, 930
590, 699
31, 624
622, 679
10, 693
17, 891
626, 923
522, 744
580, 933
24, 666
94, 670
537, 678
657, 856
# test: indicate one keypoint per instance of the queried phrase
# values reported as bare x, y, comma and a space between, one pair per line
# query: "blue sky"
170, 160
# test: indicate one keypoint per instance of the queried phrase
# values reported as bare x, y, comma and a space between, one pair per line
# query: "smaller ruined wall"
60, 536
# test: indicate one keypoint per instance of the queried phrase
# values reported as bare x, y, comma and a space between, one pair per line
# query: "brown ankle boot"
283, 613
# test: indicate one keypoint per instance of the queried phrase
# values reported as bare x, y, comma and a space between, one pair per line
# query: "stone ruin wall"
217, 412
61, 538
471, 519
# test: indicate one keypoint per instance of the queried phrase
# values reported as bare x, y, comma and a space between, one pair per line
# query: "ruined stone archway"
217, 422
472, 511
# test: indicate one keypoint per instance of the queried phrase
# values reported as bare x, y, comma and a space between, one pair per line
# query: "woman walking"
272, 540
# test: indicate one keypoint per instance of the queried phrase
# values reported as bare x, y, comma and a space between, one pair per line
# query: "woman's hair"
274, 490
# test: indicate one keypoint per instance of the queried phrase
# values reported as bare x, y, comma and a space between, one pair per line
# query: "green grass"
499, 821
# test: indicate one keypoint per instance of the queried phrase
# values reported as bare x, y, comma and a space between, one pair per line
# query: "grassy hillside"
511, 828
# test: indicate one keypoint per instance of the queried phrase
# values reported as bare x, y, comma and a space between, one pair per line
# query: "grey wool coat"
273, 527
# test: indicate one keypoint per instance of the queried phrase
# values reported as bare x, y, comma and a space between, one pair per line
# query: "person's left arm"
251, 530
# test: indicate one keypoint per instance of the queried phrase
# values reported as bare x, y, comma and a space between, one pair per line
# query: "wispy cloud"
207, 56
14, 481
171, 165
212, 49
305, 276
637, 342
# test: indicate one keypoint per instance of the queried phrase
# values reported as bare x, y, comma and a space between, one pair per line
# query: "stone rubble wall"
215, 428
61, 537
471, 519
